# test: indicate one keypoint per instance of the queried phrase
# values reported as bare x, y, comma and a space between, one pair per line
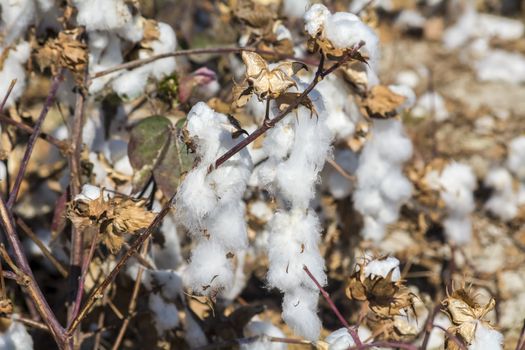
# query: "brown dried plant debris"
66, 51
262, 81
381, 103
111, 218
390, 303
465, 313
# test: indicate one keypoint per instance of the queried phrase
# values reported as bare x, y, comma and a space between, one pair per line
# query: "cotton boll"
382, 267
342, 340
259, 328
193, 335
16, 337
168, 256
407, 93
339, 186
486, 339
315, 18
458, 229
131, 83
89, 193
104, 52
300, 313
168, 282
166, 43
102, 14
431, 104
500, 65
165, 315
516, 157
504, 201
295, 8
13, 68
209, 270
17, 15
226, 225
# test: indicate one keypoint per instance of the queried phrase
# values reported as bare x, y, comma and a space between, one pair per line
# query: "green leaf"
156, 149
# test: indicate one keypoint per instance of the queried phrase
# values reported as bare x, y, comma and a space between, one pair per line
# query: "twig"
132, 302
451, 336
27, 230
216, 50
319, 75
32, 139
385, 344
99, 290
31, 286
428, 326
326, 296
520, 339
244, 341
340, 170
30, 323
6, 96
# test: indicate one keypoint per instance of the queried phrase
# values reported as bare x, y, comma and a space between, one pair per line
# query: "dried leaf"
381, 103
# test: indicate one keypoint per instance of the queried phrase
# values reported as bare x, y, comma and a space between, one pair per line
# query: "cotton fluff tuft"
341, 340
16, 337
259, 328
504, 200
210, 205
103, 15
456, 185
516, 157
16, 17
343, 29
381, 186
486, 339
13, 68
382, 267
295, 230
165, 315
132, 83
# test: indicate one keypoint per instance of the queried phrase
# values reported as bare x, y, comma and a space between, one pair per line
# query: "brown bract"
381, 103
112, 219
262, 81
66, 51
465, 313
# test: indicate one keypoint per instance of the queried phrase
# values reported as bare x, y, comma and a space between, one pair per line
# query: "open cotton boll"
431, 104
407, 92
226, 226
295, 8
209, 270
504, 201
486, 339
193, 335
300, 313
292, 244
104, 52
382, 267
458, 229
89, 193
16, 337
342, 340
315, 18
17, 15
259, 328
500, 65
168, 256
166, 43
102, 14
13, 68
382, 188
516, 157
165, 315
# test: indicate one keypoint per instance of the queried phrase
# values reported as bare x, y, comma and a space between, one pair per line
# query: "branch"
32, 139
326, 296
319, 75
217, 50
30, 287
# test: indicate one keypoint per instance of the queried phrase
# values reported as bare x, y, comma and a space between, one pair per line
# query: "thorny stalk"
326, 296
33, 138
98, 292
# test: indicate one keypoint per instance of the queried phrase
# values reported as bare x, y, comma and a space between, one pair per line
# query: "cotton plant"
209, 204
456, 184
16, 337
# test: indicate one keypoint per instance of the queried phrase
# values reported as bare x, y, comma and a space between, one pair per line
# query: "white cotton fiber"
342, 340
486, 339
17, 15
382, 267
165, 315
13, 68
103, 15
343, 29
259, 328
89, 193
500, 65
431, 104
382, 188
339, 186
210, 270
16, 337
516, 157
504, 199
300, 313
